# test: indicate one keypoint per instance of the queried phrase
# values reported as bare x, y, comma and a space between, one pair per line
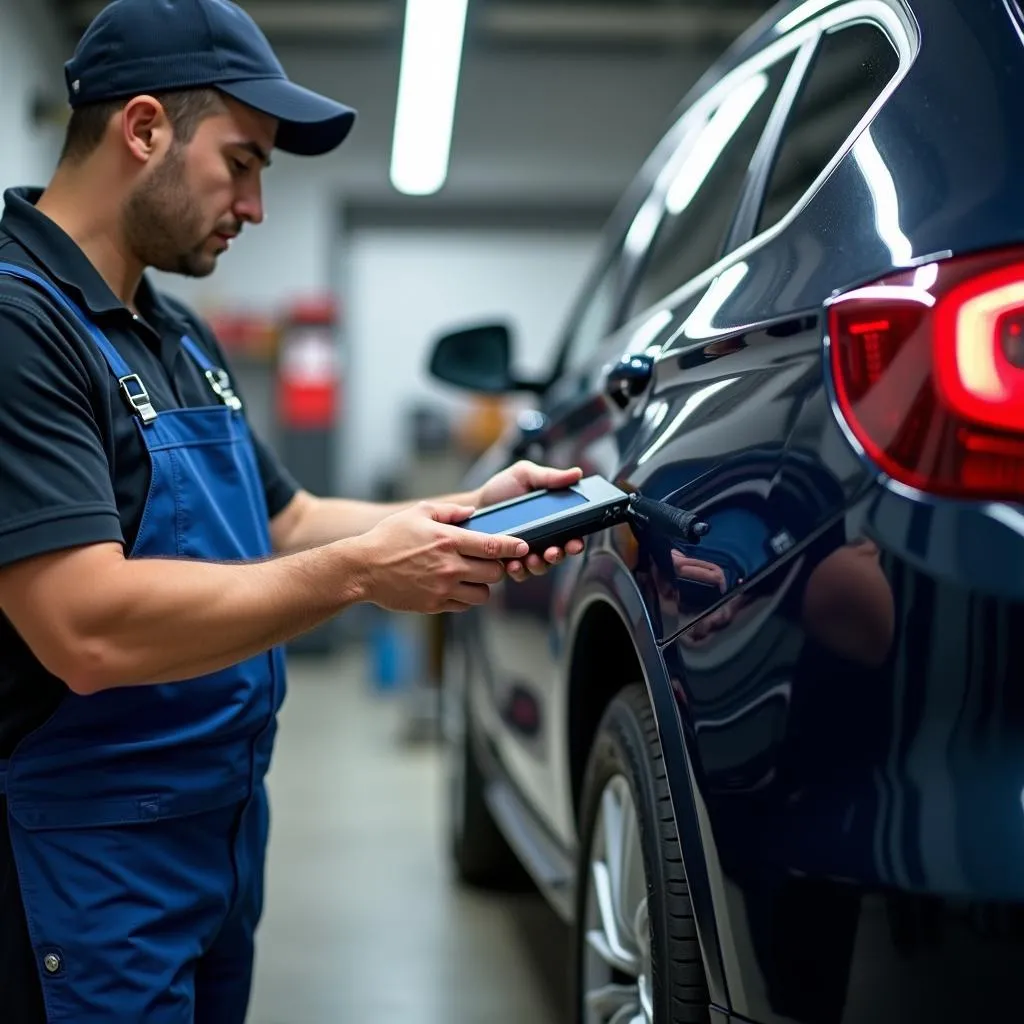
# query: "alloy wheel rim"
616, 970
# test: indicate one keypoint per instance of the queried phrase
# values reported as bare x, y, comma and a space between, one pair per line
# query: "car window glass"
850, 69
595, 319
705, 187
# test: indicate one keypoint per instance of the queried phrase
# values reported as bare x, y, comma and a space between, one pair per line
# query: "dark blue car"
776, 774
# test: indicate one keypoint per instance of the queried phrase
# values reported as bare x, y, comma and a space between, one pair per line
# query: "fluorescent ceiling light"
428, 83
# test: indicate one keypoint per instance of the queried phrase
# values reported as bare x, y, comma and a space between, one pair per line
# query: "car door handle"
629, 378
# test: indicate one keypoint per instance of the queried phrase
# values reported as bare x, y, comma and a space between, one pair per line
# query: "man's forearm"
315, 521
168, 620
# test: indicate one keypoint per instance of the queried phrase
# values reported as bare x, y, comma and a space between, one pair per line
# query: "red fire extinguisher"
309, 367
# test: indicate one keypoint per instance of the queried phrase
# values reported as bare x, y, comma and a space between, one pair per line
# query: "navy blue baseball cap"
146, 46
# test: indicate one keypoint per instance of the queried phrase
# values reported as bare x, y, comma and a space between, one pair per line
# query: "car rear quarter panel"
855, 723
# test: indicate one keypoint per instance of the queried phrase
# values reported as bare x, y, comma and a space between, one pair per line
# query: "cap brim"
310, 124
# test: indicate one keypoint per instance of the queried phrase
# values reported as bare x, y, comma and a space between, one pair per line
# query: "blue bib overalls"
138, 816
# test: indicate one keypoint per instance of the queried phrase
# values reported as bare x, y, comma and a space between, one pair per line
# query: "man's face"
183, 214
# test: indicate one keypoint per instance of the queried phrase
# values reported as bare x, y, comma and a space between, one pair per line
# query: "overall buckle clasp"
137, 396
220, 382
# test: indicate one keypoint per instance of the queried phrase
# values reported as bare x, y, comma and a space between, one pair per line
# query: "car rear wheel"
637, 956
479, 852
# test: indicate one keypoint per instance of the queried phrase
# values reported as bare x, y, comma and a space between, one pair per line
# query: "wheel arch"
604, 661
611, 633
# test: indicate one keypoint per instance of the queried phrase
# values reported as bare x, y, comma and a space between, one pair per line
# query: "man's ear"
145, 128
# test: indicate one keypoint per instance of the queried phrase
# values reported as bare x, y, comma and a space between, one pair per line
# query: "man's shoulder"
35, 326
15, 290
29, 306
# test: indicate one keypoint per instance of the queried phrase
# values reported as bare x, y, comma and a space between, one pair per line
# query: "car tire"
658, 954
480, 854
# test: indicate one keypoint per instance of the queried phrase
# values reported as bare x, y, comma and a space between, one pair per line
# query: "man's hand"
419, 560
520, 479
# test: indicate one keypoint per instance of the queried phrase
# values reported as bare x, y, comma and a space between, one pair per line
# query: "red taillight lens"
928, 367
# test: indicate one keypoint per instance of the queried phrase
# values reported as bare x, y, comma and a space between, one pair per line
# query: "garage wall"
32, 53
409, 285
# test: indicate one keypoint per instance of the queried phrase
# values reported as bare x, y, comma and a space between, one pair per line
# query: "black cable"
647, 512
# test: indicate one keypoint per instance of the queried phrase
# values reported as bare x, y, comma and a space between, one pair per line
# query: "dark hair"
185, 109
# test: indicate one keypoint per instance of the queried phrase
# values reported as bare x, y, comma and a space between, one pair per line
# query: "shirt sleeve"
279, 485
55, 487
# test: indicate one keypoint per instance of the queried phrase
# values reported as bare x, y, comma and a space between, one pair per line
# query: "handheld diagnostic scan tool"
547, 519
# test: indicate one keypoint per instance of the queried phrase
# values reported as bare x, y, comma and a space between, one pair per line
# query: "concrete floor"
362, 921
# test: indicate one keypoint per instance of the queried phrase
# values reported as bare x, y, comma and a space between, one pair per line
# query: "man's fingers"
517, 571
553, 556
472, 594
545, 477
482, 545
447, 513
481, 570
536, 565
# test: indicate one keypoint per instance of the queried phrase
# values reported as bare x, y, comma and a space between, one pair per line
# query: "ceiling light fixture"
428, 84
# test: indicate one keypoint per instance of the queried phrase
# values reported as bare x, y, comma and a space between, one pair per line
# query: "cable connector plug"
648, 512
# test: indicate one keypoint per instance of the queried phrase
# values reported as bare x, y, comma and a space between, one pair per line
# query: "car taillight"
928, 368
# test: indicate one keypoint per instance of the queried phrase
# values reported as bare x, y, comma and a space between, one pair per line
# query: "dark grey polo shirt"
73, 469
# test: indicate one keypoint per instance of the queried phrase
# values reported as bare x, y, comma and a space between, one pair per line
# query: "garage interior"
558, 104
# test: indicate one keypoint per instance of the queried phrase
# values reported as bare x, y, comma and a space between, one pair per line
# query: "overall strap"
131, 385
201, 359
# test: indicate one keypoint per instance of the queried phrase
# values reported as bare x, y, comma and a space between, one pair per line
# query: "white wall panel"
406, 286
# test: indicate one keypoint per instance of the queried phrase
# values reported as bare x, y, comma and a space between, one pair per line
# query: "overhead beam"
534, 21
309, 16
602, 23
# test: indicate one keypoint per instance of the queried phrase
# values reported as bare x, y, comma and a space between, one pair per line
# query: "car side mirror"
478, 359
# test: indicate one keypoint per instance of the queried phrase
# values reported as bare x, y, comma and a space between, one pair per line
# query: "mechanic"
154, 556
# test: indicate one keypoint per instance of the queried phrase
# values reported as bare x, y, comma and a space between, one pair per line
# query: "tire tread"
629, 726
